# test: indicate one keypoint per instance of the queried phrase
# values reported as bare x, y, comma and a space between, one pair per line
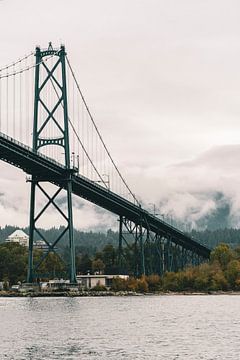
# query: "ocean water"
143, 327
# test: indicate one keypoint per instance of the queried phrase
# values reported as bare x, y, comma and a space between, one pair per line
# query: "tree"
98, 266
202, 278
232, 274
223, 254
83, 264
52, 266
109, 258
13, 262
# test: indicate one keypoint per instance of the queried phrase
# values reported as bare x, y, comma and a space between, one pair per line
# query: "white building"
18, 236
89, 281
41, 245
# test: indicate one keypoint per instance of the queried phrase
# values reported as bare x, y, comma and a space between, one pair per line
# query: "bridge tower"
55, 75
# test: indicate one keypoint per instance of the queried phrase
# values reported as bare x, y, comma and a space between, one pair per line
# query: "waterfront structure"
18, 236
41, 245
90, 281
83, 282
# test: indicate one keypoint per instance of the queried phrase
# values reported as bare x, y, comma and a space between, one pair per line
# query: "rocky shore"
67, 293
107, 293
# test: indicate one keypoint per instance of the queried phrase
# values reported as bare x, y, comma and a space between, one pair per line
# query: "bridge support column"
31, 235
120, 245
46, 118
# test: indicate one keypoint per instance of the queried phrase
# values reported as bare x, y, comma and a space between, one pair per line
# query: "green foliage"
233, 274
222, 272
215, 237
222, 254
119, 284
52, 265
170, 281
98, 266
13, 262
99, 287
154, 282
86, 242
83, 264
202, 279
109, 258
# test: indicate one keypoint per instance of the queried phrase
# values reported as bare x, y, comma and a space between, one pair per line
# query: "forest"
221, 273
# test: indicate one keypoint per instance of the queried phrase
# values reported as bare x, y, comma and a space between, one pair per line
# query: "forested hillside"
214, 238
86, 242
91, 242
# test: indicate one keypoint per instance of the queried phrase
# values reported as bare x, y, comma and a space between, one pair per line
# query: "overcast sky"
161, 75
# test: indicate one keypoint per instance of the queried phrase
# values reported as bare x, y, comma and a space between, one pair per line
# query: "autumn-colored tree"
223, 254
232, 274
170, 281
142, 285
154, 282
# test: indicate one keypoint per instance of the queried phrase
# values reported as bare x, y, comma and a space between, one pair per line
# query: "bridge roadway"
47, 169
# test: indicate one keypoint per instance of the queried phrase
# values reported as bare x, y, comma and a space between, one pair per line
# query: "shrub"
154, 282
119, 284
142, 285
132, 284
170, 281
99, 287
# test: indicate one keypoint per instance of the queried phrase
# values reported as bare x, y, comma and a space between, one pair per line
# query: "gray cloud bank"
203, 192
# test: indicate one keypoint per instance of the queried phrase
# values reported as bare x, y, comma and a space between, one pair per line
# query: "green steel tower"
57, 115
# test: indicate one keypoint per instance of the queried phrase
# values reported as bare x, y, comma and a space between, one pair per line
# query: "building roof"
18, 233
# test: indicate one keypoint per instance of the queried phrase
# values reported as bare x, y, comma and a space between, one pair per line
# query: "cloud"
202, 192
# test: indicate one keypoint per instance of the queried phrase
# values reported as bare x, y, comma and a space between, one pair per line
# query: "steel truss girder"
153, 253
34, 163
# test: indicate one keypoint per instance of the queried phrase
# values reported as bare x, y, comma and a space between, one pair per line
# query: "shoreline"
13, 294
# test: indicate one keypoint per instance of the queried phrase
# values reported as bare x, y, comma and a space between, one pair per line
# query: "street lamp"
73, 159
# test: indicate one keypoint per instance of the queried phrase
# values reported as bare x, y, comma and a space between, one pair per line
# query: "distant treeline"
86, 242
216, 237
91, 242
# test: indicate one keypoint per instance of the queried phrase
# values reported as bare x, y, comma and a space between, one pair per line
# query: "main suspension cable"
6, 67
96, 128
26, 68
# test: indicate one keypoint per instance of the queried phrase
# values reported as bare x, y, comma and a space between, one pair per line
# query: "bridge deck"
45, 168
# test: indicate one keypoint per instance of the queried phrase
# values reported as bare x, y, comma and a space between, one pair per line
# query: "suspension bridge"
48, 131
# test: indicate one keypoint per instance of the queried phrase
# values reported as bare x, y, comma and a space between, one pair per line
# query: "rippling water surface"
146, 327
